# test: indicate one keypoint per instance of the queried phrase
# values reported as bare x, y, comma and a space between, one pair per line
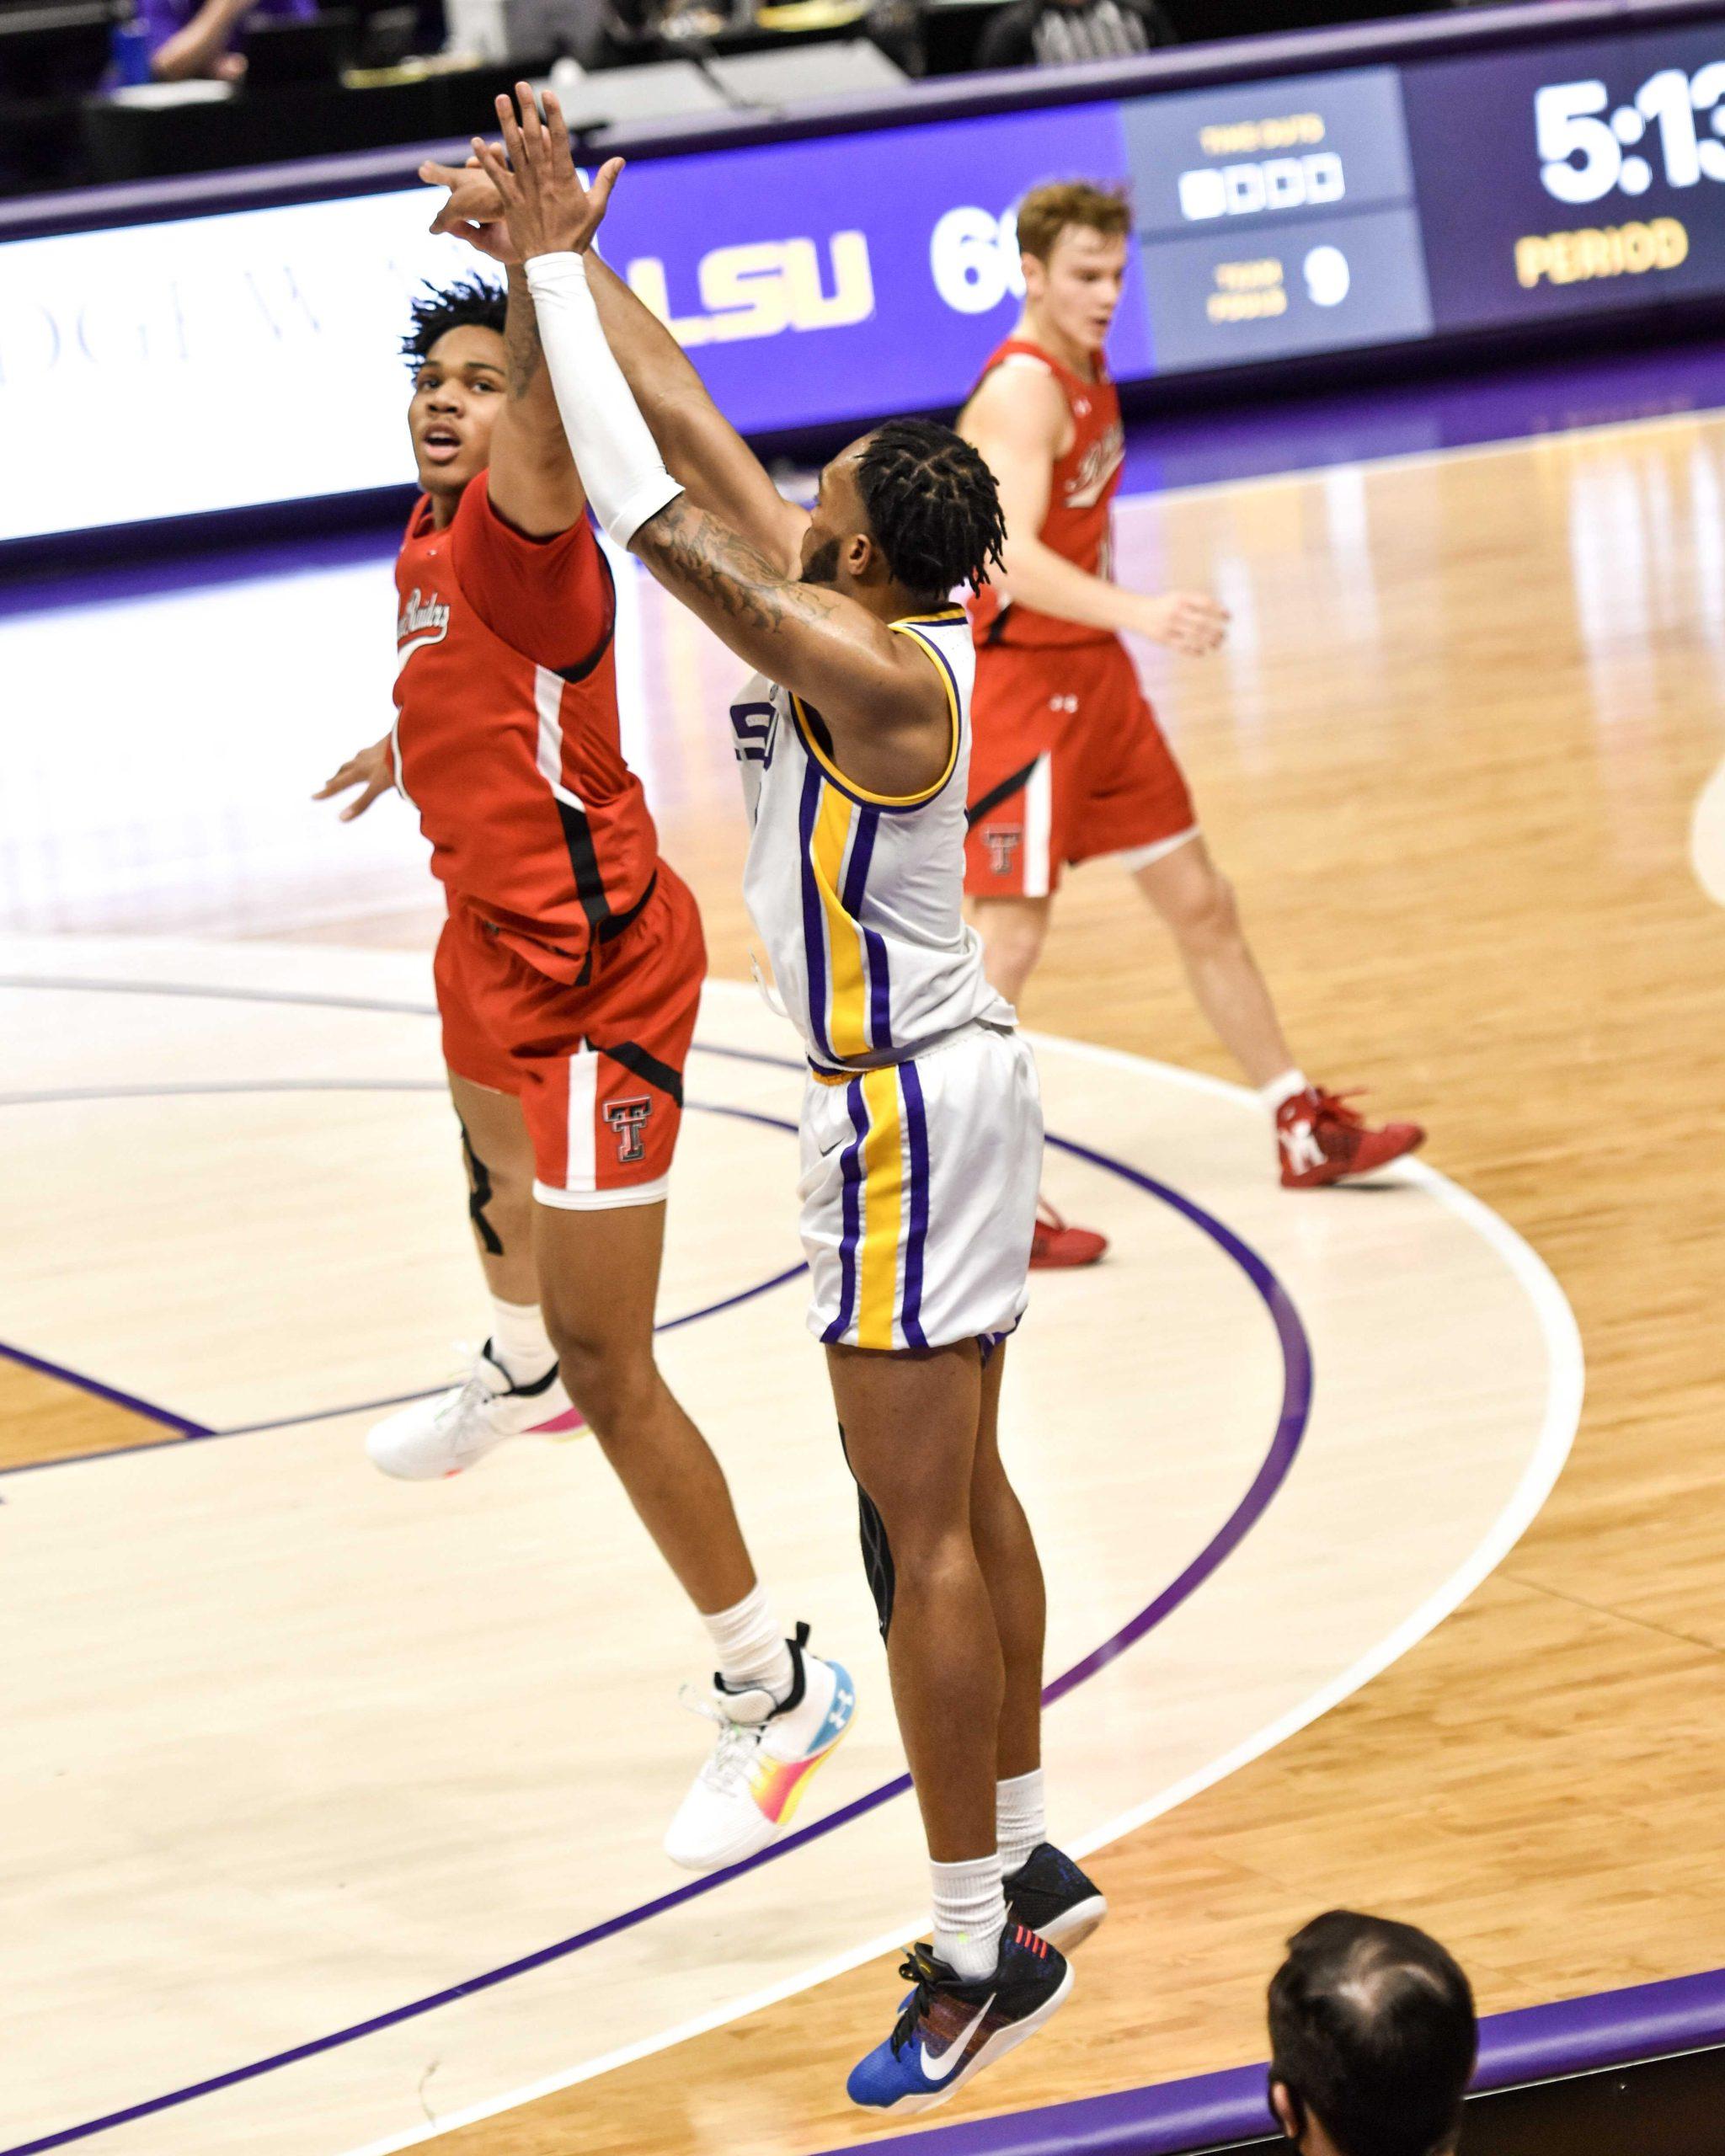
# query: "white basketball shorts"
919, 1189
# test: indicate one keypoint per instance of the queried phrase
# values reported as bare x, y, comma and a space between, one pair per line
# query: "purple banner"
832, 279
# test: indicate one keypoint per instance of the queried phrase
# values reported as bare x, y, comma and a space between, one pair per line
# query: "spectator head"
460, 367
1073, 237
911, 504
1373, 2040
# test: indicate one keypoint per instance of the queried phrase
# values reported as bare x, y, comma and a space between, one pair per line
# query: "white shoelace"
728, 1770
469, 1393
474, 1395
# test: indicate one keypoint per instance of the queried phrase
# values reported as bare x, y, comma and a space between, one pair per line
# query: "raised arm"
1019, 424
533, 482
818, 643
878, 694
720, 470
717, 467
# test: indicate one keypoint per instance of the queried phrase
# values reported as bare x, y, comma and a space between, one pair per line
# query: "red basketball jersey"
517, 772
1079, 505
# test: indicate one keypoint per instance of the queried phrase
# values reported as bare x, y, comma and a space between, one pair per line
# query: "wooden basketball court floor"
331, 1806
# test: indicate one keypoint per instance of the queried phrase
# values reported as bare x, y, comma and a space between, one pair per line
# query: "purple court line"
214, 993
58, 1095
1296, 1355
182, 1423
1291, 1423
1290, 1429
401, 1399
190, 1430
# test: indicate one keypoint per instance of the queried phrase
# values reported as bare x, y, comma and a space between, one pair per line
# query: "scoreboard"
1321, 212
1572, 179
1276, 219
235, 357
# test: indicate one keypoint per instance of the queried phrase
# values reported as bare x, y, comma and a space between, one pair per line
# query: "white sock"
969, 1915
1283, 1089
519, 1343
751, 1648
1019, 1819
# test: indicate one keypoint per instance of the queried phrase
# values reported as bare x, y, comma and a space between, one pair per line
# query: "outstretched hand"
546, 207
371, 770
474, 210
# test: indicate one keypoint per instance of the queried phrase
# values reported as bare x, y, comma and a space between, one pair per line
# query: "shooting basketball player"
1070, 764
569, 975
921, 1127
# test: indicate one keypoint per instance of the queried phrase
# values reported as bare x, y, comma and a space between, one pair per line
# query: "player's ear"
1289, 2112
1035, 276
863, 559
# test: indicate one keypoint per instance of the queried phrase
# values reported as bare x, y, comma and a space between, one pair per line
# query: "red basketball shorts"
1066, 762
598, 1067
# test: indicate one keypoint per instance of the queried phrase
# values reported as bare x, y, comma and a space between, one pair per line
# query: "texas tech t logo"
629, 1120
1002, 850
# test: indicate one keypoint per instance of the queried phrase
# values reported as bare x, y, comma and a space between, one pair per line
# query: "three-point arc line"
1294, 1416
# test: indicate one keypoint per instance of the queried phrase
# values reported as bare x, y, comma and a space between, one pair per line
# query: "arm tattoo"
697, 550
527, 354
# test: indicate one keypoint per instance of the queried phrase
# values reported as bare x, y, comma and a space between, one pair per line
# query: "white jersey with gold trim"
858, 897
921, 1127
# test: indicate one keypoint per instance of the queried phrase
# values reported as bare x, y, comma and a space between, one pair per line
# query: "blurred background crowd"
94, 91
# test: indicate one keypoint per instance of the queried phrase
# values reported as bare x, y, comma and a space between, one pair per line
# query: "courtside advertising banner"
215, 362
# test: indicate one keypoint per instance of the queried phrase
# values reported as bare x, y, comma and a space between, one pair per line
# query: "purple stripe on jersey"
916, 1124
945, 666
881, 993
857, 869
880, 1001
815, 948
850, 1169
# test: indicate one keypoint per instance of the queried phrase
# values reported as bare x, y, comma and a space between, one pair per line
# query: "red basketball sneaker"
1320, 1139
1054, 1244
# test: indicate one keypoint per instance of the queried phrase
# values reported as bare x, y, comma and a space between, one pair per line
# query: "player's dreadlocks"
471, 302
932, 504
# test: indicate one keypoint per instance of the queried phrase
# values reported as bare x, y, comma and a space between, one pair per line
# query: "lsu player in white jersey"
922, 1120
921, 1129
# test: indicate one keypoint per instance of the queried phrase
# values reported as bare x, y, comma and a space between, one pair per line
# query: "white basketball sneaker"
764, 1758
452, 1430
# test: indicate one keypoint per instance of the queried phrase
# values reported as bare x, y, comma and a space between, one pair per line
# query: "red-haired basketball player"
1070, 763
568, 974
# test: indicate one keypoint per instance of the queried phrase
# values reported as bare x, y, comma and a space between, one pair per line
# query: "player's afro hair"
932, 504
469, 303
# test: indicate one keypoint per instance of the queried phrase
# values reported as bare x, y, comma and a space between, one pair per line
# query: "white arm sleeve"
614, 450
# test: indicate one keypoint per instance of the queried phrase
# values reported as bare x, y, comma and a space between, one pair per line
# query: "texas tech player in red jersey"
568, 974
507, 742
1069, 760
1078, 521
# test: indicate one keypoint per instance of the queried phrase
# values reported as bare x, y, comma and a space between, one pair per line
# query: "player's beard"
822, 566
